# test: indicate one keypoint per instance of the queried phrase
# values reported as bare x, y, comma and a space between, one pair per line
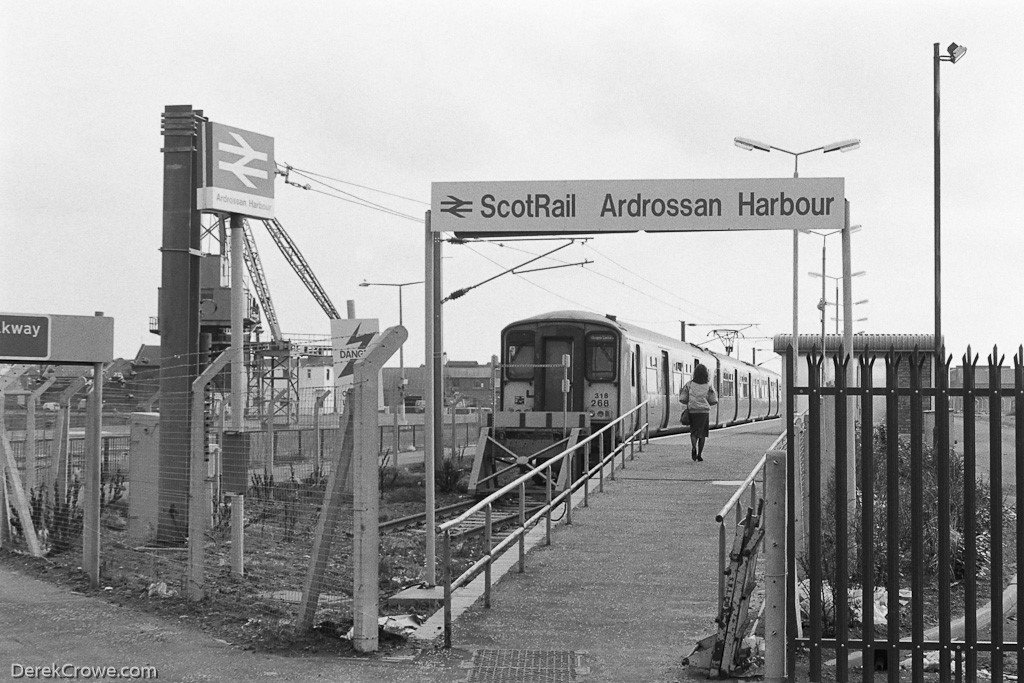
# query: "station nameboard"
238, 172
589, 206
66, 339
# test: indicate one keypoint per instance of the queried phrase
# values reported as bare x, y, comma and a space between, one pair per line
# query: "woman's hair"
700, 374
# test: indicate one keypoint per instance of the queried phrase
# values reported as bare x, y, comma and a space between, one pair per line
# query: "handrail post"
487, 567
721, 570
446, 573
600, 463
522, 527
547, 487
586, 474
572, 487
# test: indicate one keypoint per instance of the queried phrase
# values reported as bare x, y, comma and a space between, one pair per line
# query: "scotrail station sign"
238, 172
555, 206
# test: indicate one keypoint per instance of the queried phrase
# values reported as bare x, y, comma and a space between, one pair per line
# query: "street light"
955, 53
837, 304
842, 146
401, 355
824, 302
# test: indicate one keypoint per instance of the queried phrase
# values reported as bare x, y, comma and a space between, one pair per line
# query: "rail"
616, 429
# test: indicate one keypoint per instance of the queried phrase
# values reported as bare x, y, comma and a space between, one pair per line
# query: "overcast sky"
393, 96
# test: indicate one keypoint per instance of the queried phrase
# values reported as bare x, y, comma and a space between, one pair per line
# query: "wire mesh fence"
272, 476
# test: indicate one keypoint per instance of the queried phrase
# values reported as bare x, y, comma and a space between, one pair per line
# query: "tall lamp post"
401, 359
842, 146
954, 54
824, 303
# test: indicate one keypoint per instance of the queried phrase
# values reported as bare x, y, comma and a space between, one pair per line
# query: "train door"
553, 399
716, 411
637, 379
667, 390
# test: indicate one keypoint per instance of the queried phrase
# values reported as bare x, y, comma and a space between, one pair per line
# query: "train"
575, 371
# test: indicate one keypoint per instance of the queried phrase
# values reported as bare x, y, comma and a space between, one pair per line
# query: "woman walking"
698, 396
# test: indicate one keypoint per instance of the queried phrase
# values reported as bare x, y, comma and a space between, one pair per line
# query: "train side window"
728, 384
600, 357
745, 386
520, 355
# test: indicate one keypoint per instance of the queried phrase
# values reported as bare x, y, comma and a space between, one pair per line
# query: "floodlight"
749, 145
956, 52
844, 146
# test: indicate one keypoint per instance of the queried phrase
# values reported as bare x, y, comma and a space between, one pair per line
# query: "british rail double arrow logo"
456, 207
240, 167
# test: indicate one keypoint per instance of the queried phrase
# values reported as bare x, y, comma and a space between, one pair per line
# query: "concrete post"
775, 570
366, 490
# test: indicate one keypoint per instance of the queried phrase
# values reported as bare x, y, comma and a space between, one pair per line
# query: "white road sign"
553, 206
238, 171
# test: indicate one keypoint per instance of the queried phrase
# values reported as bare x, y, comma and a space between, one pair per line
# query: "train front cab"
528, 428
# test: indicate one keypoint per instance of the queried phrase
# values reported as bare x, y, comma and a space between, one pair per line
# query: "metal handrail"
524, 525
491, 498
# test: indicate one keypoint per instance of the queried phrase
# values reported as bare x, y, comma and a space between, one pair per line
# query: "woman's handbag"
685, 417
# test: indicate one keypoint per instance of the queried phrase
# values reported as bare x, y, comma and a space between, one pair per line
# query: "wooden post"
366, 490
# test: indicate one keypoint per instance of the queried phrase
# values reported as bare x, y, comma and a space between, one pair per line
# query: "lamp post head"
842, 146
750, 145
956, 52
364, 283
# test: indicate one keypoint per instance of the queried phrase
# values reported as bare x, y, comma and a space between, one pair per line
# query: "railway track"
474, 524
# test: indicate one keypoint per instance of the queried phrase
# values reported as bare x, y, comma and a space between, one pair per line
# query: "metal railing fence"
613, 432
927, 519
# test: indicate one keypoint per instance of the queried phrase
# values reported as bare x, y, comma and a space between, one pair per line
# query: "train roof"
630, 329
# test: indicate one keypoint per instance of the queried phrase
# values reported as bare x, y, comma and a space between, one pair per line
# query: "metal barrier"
614, 430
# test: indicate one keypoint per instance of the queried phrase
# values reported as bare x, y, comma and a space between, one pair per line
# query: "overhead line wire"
365, 202
364, 187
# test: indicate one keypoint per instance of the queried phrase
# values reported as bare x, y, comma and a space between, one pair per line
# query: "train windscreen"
520, 355
601, 357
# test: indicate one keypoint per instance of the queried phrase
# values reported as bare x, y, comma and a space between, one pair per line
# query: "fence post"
238, 534
198, 502
93, 480
775, 569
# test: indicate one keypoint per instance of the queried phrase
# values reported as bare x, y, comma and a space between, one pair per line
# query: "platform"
626, 591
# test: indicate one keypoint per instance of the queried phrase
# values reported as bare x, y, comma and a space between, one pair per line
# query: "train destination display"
635, 205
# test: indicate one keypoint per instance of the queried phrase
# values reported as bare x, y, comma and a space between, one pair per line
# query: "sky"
380, 99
